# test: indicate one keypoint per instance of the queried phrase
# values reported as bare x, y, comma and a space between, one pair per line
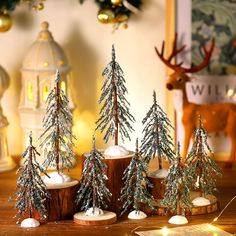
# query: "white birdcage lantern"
45, 56
6, 162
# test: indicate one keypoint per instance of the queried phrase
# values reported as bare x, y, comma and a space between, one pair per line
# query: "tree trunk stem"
58, 131
115, 113
178, 205
160, 163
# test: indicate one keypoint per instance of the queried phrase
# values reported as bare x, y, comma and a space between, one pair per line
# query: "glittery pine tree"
57, 124
115, 117
178, 182
31, 191
134, 191
156, 139
93, 192
201, 165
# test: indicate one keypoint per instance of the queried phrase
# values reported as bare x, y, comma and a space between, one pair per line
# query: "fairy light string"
165, 229
223, 210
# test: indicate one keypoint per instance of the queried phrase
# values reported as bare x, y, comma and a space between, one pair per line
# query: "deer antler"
205, 62
175, 51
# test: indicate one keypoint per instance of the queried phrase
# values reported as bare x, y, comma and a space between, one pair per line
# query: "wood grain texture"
123, 227
158, 189
61, 205
200, 210
106, 219
196, 210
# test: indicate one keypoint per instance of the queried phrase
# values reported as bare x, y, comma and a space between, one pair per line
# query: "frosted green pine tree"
201, 165
115, 117
134, 191
57, 124
93, 192
31, 191
178, 182
156, 138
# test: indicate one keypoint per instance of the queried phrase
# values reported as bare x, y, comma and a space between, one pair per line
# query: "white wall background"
87, 44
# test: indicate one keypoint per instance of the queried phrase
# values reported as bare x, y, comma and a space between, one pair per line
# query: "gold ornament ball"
125, 25
5, 22
40, 6
121, 18
106, 16
116, 2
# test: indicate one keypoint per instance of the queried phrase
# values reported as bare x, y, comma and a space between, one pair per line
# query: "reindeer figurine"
216, 117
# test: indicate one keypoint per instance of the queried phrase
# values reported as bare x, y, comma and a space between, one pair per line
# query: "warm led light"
45, 92
165, 231
30, 92
230, 92
45, 64
224, 209
212, 228
84, 130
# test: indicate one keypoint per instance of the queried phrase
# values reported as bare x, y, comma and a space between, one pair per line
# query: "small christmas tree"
57, 123
115, 117
156, 140
93, 192
201, 166
135, 191
177, 192
31, 191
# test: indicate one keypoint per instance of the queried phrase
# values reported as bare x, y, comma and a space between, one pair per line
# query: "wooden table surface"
124, 227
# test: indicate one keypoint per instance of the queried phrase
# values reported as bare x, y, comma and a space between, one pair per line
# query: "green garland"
8, 5
118, 10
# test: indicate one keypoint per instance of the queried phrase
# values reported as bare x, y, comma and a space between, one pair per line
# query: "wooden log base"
62, 185
158, 190
106, 219
130, 155
196, 210
61, 205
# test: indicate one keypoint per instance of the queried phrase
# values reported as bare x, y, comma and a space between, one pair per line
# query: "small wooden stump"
61, 205
115, 169
200, 210
106, 219
158, 190
196, 210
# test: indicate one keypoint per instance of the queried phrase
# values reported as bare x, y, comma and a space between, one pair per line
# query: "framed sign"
197, 22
